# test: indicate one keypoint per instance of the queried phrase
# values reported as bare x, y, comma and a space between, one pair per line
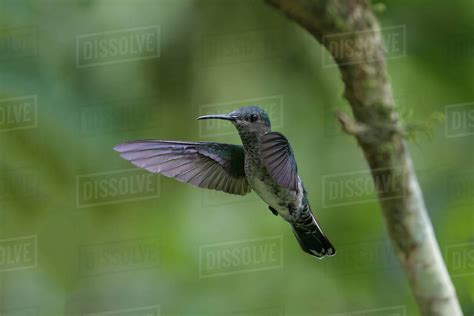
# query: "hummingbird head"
249, 120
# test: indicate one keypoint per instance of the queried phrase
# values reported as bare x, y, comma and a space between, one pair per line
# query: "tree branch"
358, 51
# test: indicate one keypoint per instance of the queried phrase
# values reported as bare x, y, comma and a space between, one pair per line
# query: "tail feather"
313, 241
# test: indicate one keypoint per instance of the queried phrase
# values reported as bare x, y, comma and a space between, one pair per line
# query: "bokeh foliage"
215, 52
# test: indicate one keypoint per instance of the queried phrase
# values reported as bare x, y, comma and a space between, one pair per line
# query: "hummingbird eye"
253, 118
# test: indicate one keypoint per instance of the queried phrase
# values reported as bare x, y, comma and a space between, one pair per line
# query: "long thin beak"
218, 117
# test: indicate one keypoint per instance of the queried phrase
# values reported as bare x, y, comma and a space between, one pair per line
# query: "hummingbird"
265, 163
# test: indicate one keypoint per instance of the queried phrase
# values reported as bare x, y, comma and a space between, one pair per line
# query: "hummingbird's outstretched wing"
278, 158
206, 165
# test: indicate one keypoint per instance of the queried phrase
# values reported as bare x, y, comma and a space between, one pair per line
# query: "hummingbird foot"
273, 210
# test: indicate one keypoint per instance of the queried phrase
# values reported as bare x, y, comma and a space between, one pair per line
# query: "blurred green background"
82, 232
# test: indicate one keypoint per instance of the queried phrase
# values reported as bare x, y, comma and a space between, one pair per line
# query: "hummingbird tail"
313, 241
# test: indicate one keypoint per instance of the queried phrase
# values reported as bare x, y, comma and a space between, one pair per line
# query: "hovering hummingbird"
265, 163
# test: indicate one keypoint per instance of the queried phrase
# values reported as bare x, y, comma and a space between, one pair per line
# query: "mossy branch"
379, 133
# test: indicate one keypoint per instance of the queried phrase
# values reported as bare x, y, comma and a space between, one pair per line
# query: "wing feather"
278, 158
208, 165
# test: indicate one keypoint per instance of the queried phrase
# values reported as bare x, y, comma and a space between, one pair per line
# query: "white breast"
278, 202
